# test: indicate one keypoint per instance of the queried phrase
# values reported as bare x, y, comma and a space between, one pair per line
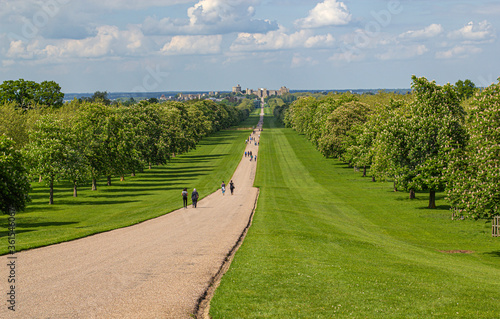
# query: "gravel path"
156, 269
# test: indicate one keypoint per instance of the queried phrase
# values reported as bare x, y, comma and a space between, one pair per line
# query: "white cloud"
132, 4
458, 52
327, 13
299, 61
347, 56
280, 40
403, 52
212, 17
428, 32
483, 31
109, 41
194, 44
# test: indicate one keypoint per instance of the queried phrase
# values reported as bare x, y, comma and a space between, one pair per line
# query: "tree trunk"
412, 194
75, 192
373, 178
364, 171
109, 180
432, 199
149, 165
94, 184
40, 179
133, 173
122, 178
395, 187
51, 191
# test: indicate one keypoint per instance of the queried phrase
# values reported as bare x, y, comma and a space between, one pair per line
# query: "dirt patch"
456, 251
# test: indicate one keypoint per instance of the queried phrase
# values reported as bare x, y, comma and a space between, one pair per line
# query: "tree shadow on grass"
193, 159
33, 224
90, 202
6, 234
160, 178
494, 253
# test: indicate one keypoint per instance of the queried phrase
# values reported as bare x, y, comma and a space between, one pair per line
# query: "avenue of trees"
438, 138
85, 140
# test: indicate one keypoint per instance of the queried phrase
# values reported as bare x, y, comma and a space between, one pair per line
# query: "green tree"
20, 92
28, 94
420, 142
465, 89
475, 173
334, 141
91, 127
14, 183
49, 94
98, 97
14, 124
47, 151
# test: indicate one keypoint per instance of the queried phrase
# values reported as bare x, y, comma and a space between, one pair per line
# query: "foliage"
14, 183
28, 94
419, 142
14, 124
47, 151
465, 89
475, 173
99, 97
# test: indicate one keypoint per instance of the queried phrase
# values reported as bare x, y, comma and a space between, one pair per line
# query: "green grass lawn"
326, 242
150, 194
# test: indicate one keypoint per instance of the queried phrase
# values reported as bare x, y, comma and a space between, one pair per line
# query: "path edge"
202, 308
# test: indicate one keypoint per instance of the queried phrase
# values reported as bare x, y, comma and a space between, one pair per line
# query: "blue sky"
179, 45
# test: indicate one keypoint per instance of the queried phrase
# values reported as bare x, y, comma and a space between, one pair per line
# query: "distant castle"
261, 93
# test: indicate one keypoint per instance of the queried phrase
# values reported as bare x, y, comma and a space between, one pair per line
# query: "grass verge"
150, 194
327, 243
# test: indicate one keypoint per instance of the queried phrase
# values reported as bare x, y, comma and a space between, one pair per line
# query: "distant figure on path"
231, 187
223, 188
194, 197
185, 197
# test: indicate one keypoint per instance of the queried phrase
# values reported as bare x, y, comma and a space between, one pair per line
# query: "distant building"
262, 92
237, 89
283, 90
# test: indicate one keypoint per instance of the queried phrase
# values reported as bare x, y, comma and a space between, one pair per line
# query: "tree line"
83, 141
438, 138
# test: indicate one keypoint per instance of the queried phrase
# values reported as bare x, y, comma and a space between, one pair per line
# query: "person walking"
231, 187
194, 197
185, 197
223, 188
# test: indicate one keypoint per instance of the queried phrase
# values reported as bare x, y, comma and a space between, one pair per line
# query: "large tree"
419, 142
27, 94
333, 143
47, 151
475, 174
14, 184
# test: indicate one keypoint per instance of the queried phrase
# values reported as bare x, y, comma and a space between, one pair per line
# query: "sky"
213, 45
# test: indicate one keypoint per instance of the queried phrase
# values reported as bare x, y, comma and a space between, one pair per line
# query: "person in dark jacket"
231, 187
185, 197
194, 197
